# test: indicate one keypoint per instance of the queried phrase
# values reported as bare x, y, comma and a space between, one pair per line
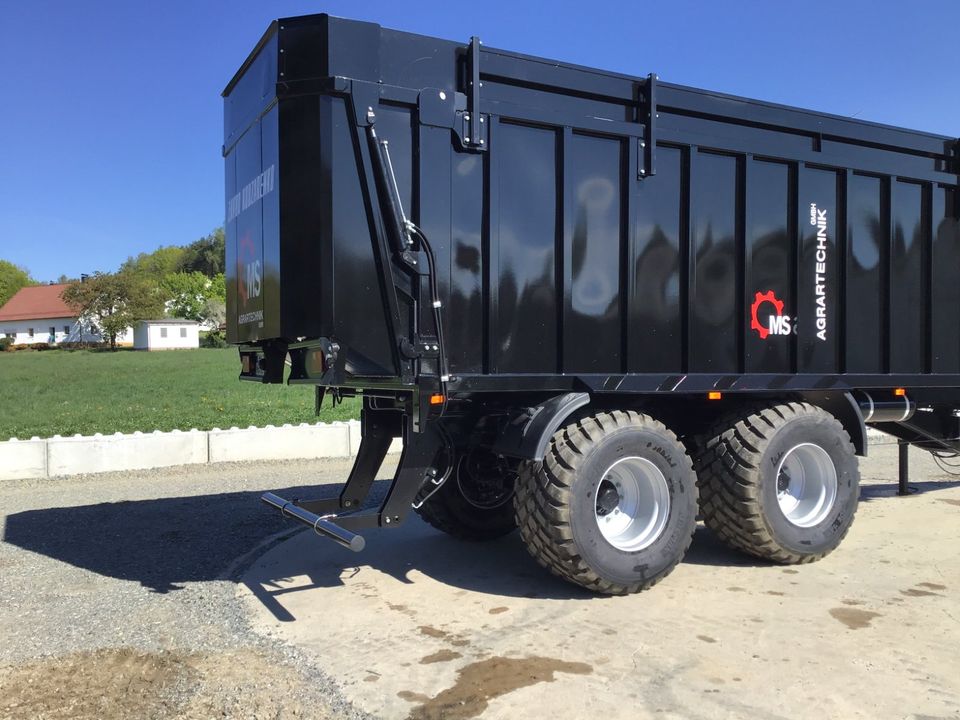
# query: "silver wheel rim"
632, 504
806, 485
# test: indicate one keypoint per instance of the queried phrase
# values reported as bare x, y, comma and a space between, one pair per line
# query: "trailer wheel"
780, 482
474, 502
613, 505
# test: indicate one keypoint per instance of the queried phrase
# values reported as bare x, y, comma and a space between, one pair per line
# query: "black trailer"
586, 300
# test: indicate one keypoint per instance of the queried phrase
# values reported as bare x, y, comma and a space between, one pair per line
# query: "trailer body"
586, 244
596, 240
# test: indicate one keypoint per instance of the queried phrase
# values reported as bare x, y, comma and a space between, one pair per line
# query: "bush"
6, 344
213, 339
80, 345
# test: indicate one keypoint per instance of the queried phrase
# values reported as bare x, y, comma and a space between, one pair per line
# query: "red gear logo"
758, 300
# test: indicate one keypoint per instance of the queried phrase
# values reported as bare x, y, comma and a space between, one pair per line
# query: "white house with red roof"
39, 314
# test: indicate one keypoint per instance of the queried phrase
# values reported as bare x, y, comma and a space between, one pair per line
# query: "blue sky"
111, 125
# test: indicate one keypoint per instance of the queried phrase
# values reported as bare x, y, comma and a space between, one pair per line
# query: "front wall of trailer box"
754, 240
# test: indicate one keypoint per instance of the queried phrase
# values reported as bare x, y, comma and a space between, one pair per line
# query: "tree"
12, 278
155, 266
112, 302
188, 295
207, 255
215, 313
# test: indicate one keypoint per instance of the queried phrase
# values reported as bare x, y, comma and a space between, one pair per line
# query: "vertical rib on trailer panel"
945, 271
714, 264
907, 306
655, 268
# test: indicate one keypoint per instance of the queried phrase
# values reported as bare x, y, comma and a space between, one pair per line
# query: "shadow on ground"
164, 543
888, 491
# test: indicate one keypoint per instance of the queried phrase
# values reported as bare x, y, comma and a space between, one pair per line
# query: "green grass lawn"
66, 392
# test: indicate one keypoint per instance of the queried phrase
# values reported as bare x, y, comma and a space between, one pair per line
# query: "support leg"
379, 428
904, 487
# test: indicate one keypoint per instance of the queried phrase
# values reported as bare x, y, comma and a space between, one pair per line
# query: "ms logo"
776, 322
249, 270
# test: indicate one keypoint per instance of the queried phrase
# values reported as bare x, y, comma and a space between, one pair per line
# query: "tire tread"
727, 460
542, 507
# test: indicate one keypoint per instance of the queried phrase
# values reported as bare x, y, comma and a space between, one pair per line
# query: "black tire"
557, 502
475, 501
738, 467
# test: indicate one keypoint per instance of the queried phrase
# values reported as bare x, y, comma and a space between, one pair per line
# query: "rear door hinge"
471, 126
647, 155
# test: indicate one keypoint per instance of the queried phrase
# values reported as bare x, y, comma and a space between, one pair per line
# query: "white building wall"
65, 330
166, 336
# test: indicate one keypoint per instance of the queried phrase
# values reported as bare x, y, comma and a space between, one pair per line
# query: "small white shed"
170, 334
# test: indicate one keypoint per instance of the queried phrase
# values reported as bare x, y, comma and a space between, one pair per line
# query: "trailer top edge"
264, 39
684, 98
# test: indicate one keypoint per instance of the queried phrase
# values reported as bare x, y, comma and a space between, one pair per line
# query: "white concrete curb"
38, 458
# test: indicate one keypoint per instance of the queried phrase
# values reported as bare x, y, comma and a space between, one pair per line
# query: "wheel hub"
486, 481
607, 498
632, 504
806, 485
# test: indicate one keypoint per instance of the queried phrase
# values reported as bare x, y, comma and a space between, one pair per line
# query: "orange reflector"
437, 399
714, 395
900, 392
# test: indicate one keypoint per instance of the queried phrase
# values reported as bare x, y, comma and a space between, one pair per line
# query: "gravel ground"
118, 596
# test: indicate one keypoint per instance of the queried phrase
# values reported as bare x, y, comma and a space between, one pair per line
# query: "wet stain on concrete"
371, 678
706, 638
413, 697
734, 588
609, 631
788, 571
455, 640
950, 502
396, 607
853, 618
852, 602
775, 592
498, 610
480, 682
932, 586
432, 632
916, 592
440, 656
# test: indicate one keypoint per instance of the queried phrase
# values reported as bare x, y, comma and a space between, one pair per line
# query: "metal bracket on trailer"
473, 130
648, 145
337, 518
